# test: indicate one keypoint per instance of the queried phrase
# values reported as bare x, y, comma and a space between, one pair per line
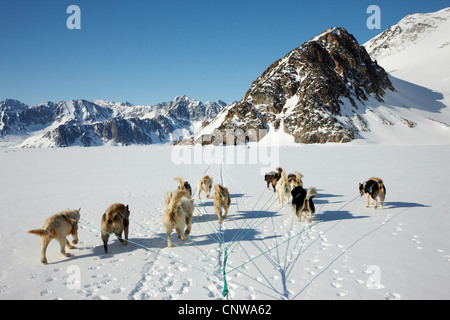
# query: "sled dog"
222, 200
272, 178
205, 185
302, 202
115, 221
58, 227
295, 179
374, 187
178, 211
283, 189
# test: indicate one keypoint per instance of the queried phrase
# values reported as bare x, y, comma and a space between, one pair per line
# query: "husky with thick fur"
374, 187
115, 221
295, 179
178, 211
272, 178
184, 185
302, 202
205, 185
283, 189
222, 200
58, 227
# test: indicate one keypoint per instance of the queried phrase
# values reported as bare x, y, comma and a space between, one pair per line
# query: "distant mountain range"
95, 123
394, 88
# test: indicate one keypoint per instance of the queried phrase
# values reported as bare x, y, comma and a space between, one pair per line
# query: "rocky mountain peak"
303, 92
11, 105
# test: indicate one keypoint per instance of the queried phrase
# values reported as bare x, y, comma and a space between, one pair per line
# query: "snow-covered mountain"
331, 90
416, 54
417, 49
411, 31
85, 123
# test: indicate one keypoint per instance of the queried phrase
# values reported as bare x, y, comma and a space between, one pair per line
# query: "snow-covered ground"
347, 252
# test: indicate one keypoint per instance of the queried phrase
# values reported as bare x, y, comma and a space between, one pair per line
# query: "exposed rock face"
302, 93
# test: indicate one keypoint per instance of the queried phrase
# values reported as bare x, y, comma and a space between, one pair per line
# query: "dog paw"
74, 241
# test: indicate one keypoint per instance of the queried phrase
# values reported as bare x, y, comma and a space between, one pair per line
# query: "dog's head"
361, 189
293, 181
73, 215
188, 188
297, 190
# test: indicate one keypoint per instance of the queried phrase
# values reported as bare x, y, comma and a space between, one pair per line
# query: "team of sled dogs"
179, 209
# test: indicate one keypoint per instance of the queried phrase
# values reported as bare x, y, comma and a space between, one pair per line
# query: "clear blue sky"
149, 51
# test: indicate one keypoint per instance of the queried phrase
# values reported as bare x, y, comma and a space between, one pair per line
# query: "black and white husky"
302, 202
374, 187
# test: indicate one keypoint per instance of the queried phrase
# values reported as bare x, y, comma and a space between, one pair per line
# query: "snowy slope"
416, 53
348, 252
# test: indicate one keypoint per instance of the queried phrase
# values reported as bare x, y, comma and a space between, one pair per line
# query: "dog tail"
381, 185
39, 232
283, 176
298, 175
181, 181
312, 192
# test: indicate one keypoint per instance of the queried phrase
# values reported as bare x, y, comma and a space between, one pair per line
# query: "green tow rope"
225, 291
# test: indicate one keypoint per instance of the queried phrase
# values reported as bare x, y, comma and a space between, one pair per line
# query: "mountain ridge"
100, 122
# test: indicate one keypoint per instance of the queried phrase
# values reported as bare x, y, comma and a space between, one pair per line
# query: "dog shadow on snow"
115, 247
331, 215
398, 204
327, 198
210, 201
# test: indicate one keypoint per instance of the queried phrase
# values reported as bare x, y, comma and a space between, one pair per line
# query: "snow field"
400, 252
